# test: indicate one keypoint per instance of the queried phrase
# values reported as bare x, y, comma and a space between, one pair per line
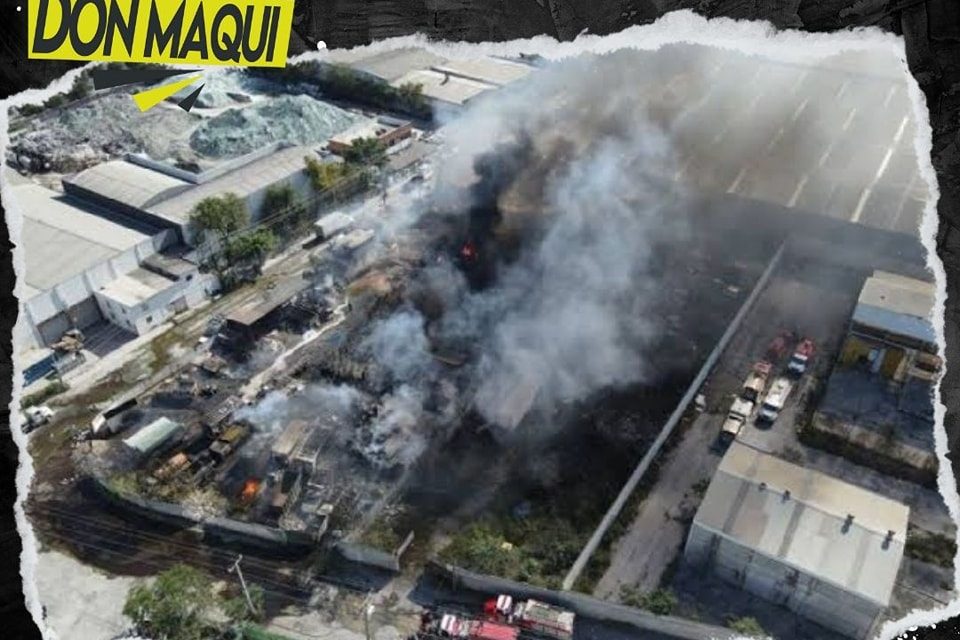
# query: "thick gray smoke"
572, 313
335, 404
568, 184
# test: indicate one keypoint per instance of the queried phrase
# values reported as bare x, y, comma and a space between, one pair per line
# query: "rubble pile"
69, 140
296, 119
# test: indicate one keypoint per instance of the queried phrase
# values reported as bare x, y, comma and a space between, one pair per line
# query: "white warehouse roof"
62, 238
127, 183
136, 287
489, 70
388, 66
801, 517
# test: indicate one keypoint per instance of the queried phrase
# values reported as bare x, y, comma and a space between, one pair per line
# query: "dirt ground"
81, 602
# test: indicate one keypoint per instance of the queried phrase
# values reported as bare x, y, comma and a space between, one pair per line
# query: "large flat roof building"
125, 183
71, 249
447, 83
388, 66
824, 548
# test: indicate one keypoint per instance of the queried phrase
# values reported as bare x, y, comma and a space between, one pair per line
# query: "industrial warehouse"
602, 365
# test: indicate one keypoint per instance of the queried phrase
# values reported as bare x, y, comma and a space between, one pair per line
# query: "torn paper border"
756, 38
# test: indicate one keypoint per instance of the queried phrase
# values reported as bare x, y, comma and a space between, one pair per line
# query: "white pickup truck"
737, 416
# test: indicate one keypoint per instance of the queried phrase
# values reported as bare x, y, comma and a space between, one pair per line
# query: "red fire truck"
533, 616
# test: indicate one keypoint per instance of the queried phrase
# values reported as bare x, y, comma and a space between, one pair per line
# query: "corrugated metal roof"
895, 323
153, 435
127, 183
444, 87
243, 182
63, 238
267, 300
800, 517
392, 65
898, 305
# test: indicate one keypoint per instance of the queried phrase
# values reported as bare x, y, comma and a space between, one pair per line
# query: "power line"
158, 567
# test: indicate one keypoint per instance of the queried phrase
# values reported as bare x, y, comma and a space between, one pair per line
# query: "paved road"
657, 534
822, 140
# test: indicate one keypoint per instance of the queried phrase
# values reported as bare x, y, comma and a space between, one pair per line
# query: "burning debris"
535, 287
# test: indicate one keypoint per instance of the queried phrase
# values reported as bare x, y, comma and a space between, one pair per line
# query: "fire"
469, 251
250, 488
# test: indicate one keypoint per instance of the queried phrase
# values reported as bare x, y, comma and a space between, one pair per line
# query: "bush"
933, 548
336, 181
483, 550
39, 397
366, 151
747, 626
343, 82
660, 602
28, 110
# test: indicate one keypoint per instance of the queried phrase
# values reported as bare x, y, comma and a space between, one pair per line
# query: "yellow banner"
196, 32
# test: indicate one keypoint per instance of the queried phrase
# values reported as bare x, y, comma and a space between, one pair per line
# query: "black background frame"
930, 28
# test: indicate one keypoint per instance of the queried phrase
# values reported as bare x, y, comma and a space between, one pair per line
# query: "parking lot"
814, 300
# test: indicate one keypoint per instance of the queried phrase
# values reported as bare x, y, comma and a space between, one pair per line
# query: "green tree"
281, 201
220, 215
481, 549
410, 96
251, 248
175, 607
366, 151
335, 181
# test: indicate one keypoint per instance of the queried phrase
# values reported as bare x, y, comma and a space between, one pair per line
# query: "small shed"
153, 436
332, 224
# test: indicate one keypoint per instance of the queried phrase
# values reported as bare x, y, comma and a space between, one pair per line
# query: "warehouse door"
80, 316
86, 313
52, 329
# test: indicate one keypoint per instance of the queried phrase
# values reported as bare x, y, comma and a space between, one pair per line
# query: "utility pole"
243, 584
368, 610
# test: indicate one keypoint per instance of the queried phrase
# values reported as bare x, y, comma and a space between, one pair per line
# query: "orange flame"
250, 488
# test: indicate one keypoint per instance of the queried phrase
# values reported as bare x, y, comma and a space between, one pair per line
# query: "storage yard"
463, 360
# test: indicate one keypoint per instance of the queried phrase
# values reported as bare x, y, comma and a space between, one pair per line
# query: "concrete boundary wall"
227, 530
368, 556
641, 469
583, 605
